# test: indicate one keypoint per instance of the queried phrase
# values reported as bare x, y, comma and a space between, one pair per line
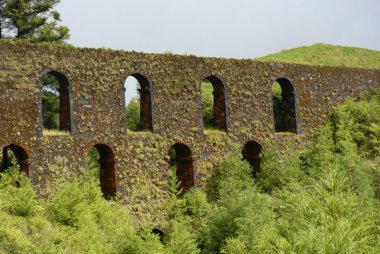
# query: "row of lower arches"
138, 103
180, 157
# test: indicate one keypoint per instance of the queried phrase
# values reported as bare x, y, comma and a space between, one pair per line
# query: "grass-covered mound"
325, 199
328, 55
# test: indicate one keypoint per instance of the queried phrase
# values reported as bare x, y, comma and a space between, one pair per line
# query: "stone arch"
57, 84
252, 154
219, 115
181, 156
107, 170
19, 153
284, 106
145, 100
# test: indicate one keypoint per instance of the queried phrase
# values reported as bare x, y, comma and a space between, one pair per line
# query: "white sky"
220, 28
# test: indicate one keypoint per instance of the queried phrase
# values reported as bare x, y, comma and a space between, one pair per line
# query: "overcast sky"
221, 28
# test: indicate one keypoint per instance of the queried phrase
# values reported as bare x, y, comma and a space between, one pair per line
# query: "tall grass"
329, 55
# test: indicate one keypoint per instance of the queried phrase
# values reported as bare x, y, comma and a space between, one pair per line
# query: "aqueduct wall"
96, 79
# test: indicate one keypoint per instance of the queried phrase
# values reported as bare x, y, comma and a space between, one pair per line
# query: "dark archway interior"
159, 233
107, 172
219, 103
181, 156
284, 108
251, 153
17, 152
56, 102
145, 102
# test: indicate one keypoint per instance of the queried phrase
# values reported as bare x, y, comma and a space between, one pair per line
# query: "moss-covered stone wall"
96, 80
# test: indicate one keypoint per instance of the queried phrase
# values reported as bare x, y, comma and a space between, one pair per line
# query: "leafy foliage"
32, 20
17, 194
178, 236
238, 200
278, 169
73, 219
322, 200
327, 217
365, 123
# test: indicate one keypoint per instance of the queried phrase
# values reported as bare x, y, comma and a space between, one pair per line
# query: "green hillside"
330, 55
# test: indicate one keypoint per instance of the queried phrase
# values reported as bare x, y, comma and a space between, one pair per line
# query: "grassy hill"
326, 54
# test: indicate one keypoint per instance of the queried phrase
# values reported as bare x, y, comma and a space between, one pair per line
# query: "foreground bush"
74, 219
322, 200
17, 196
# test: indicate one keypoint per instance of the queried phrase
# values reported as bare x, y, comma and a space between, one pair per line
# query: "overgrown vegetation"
328, 55
323, 200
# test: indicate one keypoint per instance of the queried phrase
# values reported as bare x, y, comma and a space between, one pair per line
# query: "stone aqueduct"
135, 164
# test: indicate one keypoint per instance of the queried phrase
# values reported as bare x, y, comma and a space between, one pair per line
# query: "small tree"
31, 19
178, 235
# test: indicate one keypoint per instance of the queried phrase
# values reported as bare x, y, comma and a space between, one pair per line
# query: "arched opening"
181, 158
101, 159
284, 108
160, 234
14, 154
213, 103
56, 114
251, 153
138, 101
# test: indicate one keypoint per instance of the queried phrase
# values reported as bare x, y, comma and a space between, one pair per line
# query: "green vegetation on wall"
323, 200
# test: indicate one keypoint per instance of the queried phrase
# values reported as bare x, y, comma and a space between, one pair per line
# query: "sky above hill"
220, 28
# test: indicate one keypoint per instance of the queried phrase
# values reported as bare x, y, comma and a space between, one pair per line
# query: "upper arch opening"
284, 107
213, 103
138, 103
56, 108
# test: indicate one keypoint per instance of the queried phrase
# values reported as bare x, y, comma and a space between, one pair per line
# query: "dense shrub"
238, 199
74, 219
179, 238
278, 168
321, 203
326, 217
323, 200
17, 194
365, 122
